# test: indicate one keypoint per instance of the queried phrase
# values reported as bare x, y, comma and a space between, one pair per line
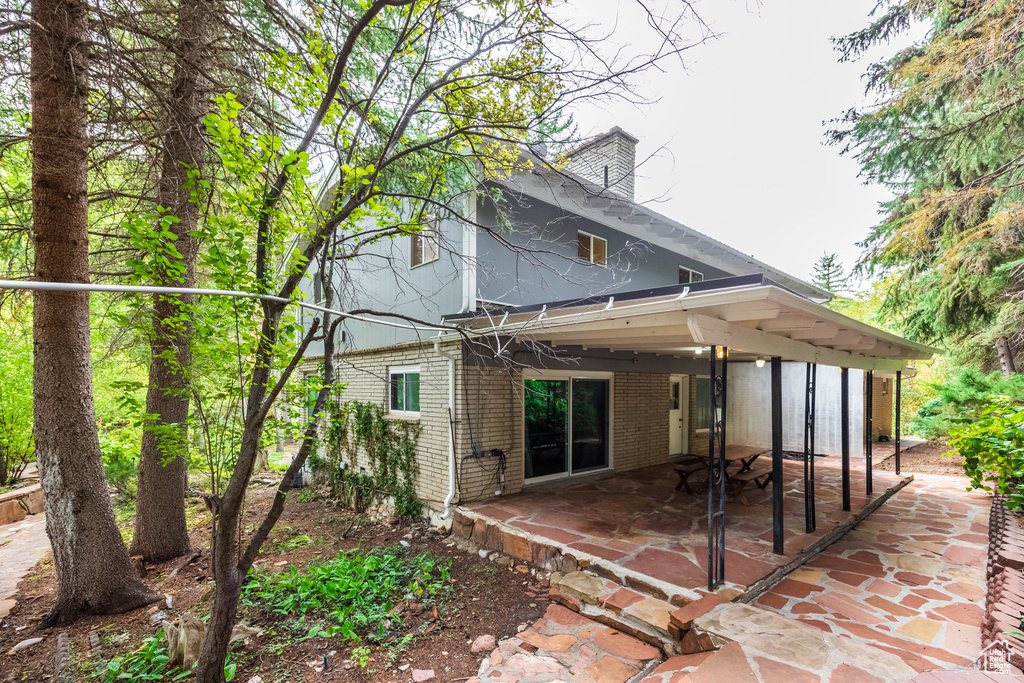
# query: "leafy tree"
828, 273
17, 445
946, 137
416, 102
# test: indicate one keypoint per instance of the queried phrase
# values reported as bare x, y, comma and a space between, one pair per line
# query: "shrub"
967, 392
992, 445
120, 463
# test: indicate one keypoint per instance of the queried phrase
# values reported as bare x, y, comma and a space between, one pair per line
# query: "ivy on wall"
380, 453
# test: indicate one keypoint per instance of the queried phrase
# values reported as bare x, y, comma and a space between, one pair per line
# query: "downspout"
451, 429
468, 304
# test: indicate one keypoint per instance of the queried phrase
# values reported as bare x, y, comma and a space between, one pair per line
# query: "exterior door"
678, 414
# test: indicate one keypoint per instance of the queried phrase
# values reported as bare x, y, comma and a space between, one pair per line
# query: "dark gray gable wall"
546, 267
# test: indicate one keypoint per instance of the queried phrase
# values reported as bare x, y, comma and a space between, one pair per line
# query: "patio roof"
751, 315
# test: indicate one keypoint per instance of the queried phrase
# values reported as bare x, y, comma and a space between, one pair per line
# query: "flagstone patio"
910, 579
636, 524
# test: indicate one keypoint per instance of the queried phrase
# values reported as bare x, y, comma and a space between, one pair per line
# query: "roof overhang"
752, 316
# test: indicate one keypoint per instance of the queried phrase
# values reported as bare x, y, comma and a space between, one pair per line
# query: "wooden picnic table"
735, 453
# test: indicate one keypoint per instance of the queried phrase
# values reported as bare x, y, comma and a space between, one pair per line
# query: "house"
606, 337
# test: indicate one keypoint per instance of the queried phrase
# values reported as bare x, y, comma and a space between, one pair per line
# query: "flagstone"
807, 575
921, 629
890, 607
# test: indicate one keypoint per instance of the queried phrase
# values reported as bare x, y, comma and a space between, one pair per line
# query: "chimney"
607, 160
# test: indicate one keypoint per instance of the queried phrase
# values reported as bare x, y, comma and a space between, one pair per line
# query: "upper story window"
688, 275
425, 245
405, 390
592, 248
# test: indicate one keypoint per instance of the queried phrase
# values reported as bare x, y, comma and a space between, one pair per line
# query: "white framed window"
425, 245
592, 248
688, 275
404, 390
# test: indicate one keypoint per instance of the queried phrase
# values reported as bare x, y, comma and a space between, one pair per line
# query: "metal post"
716, 473
899, 391
777, 494
809, 515
844, 391
869, 424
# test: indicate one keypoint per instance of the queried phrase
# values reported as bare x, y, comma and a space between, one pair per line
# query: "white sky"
742, 129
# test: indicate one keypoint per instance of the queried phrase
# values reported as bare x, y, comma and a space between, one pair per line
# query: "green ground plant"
991, 442
355, 593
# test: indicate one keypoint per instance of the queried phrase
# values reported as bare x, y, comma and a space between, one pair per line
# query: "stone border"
1004, 599
755, 590
17, 504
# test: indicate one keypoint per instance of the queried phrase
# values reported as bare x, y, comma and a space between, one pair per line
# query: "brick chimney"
607, 160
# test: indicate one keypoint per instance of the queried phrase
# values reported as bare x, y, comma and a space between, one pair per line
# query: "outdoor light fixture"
759, 362
721, 352
699, 350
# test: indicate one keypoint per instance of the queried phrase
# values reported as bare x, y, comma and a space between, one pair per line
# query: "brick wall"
366, 376
616, 150
881, 415
640, 405
492, 418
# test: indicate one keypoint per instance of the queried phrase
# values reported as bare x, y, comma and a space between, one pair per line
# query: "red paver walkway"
910, 579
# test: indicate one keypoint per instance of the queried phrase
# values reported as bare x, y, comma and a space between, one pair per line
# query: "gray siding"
542, 264
382, 280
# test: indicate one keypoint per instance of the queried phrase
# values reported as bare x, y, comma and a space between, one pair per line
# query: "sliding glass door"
567, 426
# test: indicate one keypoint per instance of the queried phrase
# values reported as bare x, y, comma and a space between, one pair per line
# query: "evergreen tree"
828, 273
947, 137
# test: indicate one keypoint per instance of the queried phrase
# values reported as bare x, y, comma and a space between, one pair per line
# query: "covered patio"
636, 521
637, 525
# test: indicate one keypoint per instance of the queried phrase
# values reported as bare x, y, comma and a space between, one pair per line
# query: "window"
405, 390
592, 248
425, 245
688, 275
703, 403
312, 392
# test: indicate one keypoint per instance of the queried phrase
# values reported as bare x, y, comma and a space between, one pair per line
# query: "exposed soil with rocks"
489, 597
927, 458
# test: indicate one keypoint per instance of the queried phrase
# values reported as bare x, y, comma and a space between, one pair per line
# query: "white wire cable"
145, 289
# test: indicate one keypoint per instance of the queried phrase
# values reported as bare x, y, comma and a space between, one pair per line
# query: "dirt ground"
927, 458
488, 598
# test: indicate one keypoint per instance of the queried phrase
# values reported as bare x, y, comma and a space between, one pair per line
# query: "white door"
678, 414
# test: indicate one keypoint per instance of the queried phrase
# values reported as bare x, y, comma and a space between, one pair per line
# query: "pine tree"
828, 273
947, 137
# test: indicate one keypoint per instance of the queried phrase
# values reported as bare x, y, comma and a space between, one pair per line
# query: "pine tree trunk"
1005, 357
160, 528
94, 572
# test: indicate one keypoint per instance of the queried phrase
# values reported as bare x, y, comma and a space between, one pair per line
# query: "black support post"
716, 469
809, 513
777, 494
870, 428
899, 392
844, 392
